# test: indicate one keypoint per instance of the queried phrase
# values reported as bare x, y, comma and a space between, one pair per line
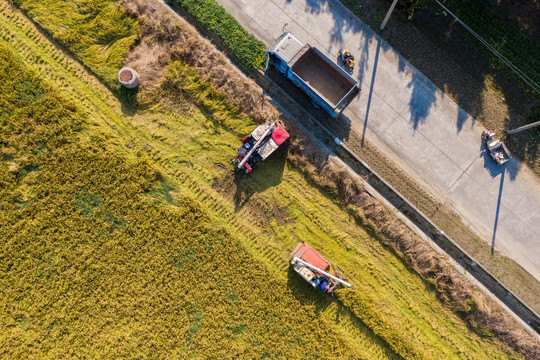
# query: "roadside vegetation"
463, 68
212, 16
131, 225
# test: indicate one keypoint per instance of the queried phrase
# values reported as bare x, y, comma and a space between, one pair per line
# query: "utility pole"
388, 14
524, 127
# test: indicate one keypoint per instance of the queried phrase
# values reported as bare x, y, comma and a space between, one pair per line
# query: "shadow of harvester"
267, 174
325, 304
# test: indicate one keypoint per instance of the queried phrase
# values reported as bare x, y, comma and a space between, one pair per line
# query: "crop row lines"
257, 242
341, 318
38, 52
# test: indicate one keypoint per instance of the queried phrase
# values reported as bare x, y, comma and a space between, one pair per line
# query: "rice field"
124, 234
96, 31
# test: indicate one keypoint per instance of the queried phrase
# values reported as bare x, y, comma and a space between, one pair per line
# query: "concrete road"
414, 123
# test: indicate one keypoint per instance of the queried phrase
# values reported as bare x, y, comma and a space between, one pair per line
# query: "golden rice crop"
92, 266
112, 196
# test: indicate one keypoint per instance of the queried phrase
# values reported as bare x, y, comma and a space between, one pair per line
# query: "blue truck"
327, 84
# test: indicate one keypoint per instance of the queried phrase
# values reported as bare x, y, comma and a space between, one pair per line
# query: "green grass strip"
212, 16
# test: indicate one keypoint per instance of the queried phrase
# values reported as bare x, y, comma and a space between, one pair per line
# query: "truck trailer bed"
325, 82
321, 76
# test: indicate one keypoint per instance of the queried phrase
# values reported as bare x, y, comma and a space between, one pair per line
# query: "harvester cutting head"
258, 145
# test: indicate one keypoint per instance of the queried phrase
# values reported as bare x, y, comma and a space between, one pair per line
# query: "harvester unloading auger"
313, 267
258, 145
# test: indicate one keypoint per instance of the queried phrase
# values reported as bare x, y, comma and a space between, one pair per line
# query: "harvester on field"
258, 146
313, 267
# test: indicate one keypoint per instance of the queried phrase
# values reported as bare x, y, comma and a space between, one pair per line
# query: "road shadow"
497, 212
372, 85
344, 22
423, 93
462, 118
267, 174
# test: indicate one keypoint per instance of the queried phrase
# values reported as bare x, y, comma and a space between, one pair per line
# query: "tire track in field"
396, 294
259, 244
99, 105
346, 322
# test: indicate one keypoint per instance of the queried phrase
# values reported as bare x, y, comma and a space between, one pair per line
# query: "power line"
520, 73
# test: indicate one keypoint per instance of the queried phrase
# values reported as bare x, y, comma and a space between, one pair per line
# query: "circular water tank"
128, 77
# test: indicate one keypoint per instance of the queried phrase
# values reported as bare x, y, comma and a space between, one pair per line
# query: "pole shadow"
497, 212
373, 75
494, 170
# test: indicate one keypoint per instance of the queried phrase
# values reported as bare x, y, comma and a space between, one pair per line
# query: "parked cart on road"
496, 148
